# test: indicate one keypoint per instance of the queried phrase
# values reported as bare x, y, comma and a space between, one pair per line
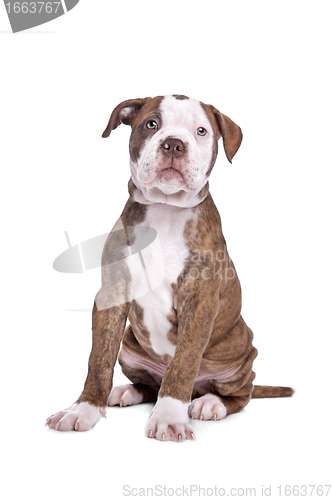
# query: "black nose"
173, 147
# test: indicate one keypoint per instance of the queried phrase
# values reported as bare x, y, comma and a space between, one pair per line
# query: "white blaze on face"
180, 119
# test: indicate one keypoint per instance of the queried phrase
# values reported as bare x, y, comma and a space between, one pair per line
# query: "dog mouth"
171, 176
168, 176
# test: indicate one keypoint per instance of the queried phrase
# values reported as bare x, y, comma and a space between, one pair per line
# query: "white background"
267, 65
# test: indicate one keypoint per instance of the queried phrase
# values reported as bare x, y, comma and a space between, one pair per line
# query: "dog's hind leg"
215, 404
145, 375
220, 397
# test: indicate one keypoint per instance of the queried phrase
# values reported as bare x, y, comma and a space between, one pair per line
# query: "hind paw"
124, 395
207, 407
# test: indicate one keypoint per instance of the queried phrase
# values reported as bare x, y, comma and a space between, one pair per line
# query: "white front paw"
78, 417
169, 421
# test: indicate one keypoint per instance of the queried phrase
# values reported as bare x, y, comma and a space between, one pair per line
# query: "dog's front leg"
108, 327
169, 419
108, 324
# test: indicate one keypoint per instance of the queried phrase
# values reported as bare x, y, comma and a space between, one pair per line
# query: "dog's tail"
267, 391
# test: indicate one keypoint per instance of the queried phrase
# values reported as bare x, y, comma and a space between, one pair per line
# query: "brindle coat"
205, 324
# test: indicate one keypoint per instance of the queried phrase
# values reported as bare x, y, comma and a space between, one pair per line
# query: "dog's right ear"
125, 112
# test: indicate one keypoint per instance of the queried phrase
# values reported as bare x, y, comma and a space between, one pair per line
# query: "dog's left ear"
229, 131
125, 112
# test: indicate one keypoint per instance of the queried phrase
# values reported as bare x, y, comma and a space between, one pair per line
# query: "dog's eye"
151, 125
201, 131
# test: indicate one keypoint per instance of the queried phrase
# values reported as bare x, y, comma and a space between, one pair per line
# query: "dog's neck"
182, 199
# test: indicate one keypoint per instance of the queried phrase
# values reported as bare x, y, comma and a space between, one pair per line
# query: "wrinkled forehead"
182, 113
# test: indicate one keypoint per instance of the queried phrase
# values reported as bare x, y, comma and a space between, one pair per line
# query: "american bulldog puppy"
166, 269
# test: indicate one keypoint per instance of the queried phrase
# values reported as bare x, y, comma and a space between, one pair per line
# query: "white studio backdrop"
267, 65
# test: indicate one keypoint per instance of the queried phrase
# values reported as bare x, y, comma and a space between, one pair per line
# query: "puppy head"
173, 145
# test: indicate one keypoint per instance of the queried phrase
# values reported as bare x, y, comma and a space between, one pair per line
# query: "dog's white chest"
165, 258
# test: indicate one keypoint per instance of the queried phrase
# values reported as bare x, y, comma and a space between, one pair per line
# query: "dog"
186, 347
